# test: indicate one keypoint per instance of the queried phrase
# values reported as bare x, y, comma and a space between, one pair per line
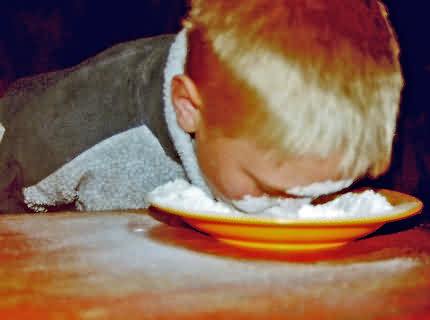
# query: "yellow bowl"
274, 234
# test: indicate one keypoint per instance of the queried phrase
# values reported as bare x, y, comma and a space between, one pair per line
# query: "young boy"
256, 98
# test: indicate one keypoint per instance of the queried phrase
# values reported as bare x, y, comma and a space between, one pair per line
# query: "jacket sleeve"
52, 118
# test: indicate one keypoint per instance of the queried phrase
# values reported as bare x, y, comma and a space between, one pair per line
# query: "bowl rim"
407, 205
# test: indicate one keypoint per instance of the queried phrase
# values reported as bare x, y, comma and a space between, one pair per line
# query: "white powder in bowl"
181, 195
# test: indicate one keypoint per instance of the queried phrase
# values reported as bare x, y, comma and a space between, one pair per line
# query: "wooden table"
125, 265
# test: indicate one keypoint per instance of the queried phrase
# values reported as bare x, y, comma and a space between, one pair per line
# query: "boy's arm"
53, 118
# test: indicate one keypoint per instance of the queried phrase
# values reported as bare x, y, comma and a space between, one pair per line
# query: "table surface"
129, 265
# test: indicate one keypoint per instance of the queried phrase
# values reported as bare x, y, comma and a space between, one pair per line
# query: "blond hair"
308, 77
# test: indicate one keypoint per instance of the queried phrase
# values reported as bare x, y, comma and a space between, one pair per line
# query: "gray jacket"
91, 137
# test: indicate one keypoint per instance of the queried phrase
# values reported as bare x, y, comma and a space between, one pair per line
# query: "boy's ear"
186, 102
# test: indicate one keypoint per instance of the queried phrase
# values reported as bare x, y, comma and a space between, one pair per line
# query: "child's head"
309, 87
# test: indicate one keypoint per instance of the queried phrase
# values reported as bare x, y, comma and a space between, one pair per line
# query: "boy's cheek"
233, 186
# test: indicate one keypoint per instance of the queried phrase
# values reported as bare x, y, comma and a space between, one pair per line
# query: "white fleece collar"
181, 140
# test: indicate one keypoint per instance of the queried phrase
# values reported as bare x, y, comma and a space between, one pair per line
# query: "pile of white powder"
181, 195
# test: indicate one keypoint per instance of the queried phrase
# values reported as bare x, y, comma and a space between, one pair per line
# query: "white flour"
181, 195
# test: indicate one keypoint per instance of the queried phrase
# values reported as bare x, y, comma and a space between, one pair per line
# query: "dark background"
38, 36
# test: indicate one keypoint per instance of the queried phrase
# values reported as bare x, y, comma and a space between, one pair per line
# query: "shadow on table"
386, 244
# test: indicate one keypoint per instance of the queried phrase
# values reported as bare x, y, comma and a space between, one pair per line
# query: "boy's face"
237, 167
